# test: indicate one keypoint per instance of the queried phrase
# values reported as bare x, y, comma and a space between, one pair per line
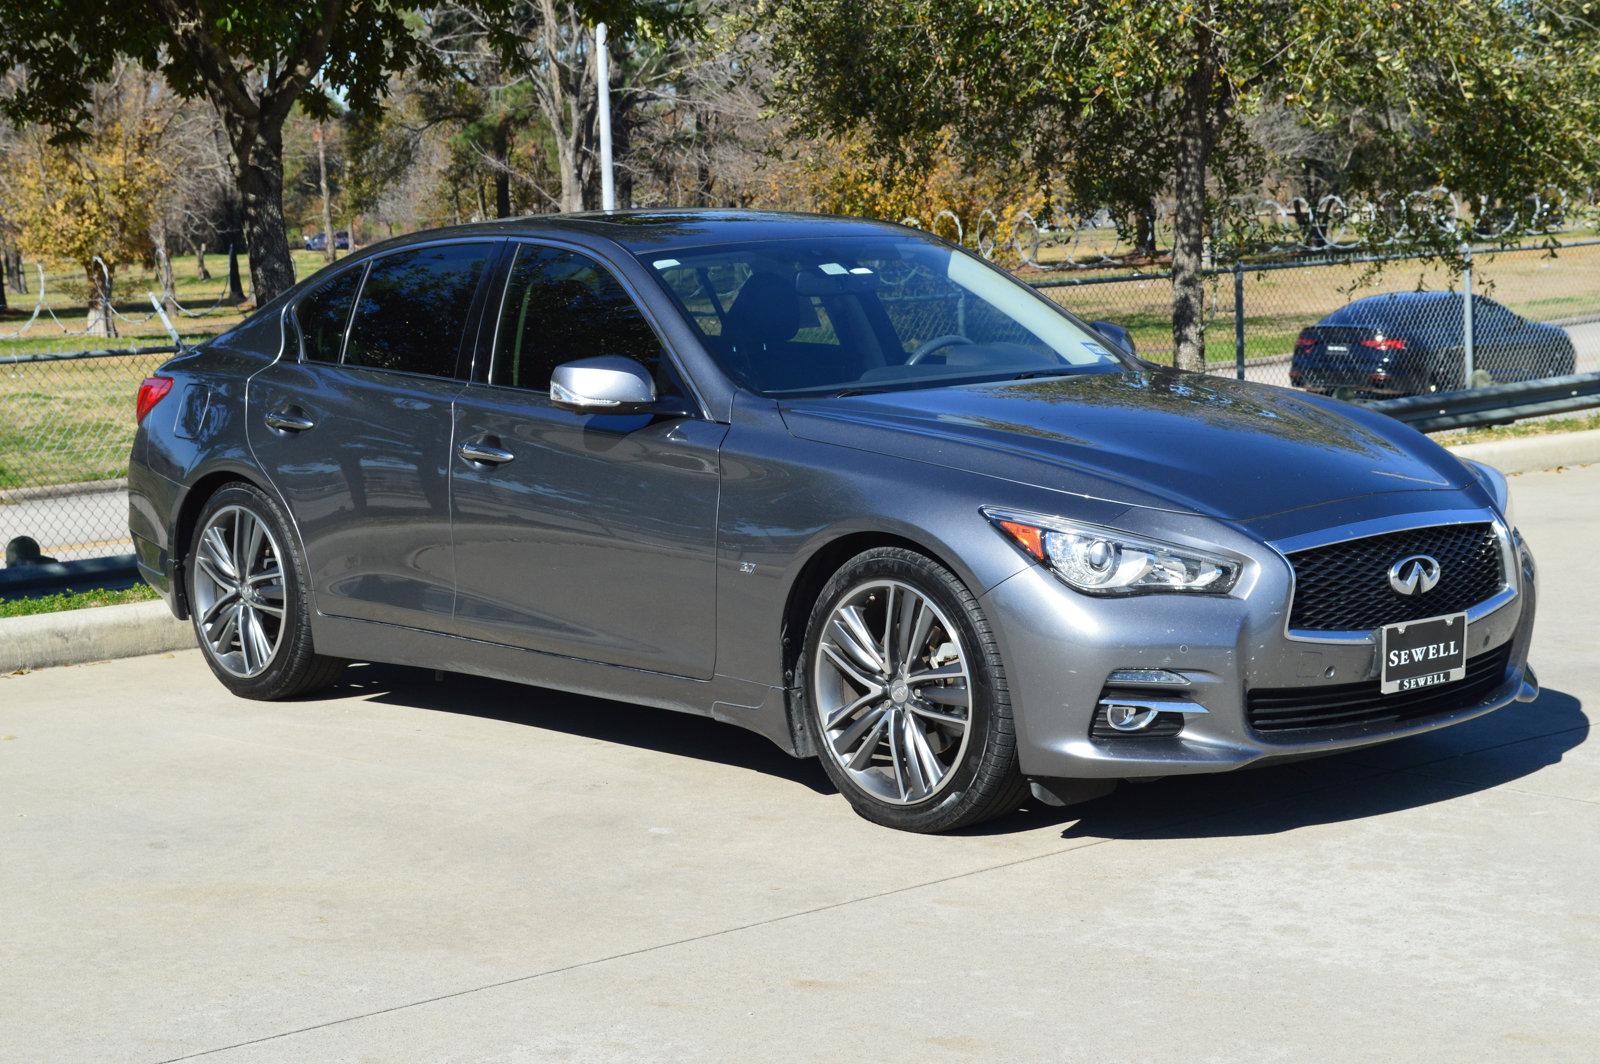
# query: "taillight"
151, 391
1393, 343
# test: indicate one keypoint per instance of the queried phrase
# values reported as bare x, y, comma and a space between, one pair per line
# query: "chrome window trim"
1509, 566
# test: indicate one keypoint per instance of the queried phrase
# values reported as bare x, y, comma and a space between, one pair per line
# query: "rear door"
595, 537
356, 434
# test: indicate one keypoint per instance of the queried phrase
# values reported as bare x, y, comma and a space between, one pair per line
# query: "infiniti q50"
834, 481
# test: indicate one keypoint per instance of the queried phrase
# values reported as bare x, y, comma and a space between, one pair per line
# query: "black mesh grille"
1357, 705
1345, 586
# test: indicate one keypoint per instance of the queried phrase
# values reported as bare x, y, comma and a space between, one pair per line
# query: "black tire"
985, 782
295, 667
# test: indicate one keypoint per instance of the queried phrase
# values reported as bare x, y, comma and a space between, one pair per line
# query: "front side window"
414, 307
869, 313
559, 307
323, 314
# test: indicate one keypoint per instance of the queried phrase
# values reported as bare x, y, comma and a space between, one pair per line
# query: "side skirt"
749, 705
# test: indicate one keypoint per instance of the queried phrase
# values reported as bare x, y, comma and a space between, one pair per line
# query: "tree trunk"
101, 320
322, 184
1144, 238
5, 274
19, 274
169, 286
200, 271
500, 150
567, 169
260, 180
1195, 136
235, 283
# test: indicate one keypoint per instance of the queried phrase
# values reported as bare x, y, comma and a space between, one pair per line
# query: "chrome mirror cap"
610, 384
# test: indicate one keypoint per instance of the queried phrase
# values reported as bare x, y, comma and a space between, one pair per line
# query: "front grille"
1345, 586
1359, 705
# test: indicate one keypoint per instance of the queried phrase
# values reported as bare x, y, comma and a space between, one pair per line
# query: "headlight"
1104, 561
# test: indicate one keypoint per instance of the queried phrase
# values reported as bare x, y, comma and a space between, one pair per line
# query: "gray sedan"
834, 481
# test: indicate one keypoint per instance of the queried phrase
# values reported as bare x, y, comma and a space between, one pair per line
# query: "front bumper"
1059, 648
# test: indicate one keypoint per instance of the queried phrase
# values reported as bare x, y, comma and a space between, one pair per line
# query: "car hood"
1153, 437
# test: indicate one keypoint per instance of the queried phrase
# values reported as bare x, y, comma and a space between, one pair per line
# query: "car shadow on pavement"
1505, 746
679, 734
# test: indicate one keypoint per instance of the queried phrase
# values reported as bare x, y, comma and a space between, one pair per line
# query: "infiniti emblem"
1414, 575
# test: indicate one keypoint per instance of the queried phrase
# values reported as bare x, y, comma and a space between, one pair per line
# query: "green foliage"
1114, 102
26, 607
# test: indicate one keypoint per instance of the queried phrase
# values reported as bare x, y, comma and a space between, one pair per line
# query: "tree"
253, 59
93, 201
1126, 100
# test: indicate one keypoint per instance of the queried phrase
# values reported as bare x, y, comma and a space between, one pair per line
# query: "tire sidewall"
933, 580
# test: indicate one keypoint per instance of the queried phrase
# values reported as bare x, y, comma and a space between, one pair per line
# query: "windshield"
869, 313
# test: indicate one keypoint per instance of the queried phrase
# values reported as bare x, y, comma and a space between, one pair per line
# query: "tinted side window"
323, 314
413, 309
561, 306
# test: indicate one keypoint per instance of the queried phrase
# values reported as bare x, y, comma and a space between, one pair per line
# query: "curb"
96, 633
62, 491
1530, 454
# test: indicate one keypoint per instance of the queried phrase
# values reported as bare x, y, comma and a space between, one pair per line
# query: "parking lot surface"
409, 869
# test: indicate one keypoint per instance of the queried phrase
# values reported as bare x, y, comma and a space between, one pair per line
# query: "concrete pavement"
408, 870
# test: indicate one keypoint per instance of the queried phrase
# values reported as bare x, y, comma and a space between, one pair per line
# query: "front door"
356, 433
593, 536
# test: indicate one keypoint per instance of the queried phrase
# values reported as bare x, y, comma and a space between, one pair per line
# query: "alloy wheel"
892, 691
239, 593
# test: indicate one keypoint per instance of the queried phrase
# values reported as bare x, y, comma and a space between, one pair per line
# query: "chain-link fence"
1363, 328
66, 420
66, 425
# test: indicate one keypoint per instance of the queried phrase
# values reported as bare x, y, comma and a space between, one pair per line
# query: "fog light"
1130, 718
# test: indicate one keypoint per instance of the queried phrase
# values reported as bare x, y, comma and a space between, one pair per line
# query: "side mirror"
610, 384
1119, 336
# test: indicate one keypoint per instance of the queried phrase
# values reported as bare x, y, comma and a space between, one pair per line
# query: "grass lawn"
67, 290
24, 607
1581, 423
1279, 303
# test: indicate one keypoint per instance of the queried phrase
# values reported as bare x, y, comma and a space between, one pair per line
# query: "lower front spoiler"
1087, 760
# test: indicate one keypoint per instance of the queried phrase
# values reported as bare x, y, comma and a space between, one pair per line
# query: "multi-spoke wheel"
238, 591
893, 692
905, 696
246, 600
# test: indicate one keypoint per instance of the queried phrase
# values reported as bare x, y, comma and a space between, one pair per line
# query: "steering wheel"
938, 343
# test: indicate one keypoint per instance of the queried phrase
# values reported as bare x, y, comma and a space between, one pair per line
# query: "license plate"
1340, 348
1424, 653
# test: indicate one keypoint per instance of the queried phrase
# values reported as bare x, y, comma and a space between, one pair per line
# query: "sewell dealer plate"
1424, 653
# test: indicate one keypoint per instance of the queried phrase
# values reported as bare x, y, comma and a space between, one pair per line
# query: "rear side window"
414, 307
561, 306
322, 316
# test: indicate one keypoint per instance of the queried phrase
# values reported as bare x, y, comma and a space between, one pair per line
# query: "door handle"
484, 454
289, 419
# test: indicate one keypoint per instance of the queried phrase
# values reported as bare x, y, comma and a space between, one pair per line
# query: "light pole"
608, 186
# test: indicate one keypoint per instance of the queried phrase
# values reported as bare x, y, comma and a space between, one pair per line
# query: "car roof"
655, 230
1361, 309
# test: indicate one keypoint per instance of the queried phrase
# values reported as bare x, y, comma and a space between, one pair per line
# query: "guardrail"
1497, 404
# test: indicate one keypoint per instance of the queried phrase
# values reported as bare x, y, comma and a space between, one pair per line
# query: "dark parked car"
1407, 343
834, 481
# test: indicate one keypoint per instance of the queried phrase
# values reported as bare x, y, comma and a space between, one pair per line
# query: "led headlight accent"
1104, 561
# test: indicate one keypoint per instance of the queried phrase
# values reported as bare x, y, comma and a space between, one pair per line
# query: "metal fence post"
1238, 319
1466, 319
